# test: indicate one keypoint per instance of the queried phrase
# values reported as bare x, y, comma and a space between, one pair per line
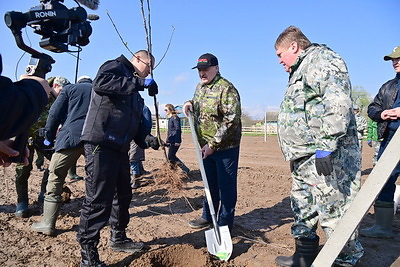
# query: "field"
159, 217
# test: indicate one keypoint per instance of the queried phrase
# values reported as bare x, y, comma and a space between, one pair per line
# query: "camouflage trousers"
375, 145
325, 199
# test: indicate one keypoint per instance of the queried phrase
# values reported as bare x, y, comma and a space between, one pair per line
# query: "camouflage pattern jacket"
316, 112
35, 130
361, 123
217, 114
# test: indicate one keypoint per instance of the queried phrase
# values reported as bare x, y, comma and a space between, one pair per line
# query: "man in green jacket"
217, 111
373, 140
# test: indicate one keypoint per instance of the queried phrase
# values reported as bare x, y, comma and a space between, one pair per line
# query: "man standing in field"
318, 135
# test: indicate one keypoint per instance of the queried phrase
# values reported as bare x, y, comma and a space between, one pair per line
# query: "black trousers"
108, 192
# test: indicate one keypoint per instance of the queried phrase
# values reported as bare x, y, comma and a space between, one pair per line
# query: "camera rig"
58, 26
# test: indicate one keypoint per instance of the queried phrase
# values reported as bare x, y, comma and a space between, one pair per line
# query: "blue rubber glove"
152, 86
46, 142
323, 162
148, 82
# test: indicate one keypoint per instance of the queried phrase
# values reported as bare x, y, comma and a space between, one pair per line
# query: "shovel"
218, 239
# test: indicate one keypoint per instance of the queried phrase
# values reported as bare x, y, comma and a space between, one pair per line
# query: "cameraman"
21, 103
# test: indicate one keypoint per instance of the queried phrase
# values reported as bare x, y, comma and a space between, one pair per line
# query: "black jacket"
20, 105
116, 108
174, 130
70, 110
383, 100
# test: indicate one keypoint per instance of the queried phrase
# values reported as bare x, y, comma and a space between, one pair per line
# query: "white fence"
269, 128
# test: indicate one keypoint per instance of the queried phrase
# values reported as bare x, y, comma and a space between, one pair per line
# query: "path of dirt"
160, 218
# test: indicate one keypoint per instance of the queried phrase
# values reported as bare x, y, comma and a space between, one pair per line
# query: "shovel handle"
204, 178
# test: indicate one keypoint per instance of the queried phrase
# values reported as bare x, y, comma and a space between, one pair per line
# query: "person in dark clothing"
137, 154
21, 103
385, 110
70, 110
115, 117
174, 138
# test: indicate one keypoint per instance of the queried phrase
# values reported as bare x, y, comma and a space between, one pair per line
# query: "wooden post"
361, 204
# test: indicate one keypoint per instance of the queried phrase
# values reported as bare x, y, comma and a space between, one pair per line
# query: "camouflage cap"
51, 81
394, 54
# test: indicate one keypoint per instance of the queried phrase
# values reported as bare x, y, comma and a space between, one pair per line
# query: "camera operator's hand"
7, 152
49, 90
152, 86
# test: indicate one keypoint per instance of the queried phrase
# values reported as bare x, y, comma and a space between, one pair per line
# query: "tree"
361, 98
247, 121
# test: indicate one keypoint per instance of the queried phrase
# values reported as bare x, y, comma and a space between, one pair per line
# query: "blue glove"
370, 143
323, 162
46, 142
148, 82
152, 86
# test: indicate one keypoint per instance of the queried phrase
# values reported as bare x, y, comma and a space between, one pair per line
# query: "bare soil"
159, 217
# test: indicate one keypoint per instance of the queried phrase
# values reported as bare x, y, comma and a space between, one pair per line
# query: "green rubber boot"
47, 225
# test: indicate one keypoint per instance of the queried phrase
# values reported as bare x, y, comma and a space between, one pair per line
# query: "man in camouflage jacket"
217, 116
362, 124
317, 134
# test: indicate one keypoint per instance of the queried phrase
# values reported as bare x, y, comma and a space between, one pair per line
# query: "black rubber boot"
305, 254
22, 210
119, 242
383, 221
90, 256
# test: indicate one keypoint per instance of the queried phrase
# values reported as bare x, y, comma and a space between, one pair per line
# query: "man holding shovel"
216, 110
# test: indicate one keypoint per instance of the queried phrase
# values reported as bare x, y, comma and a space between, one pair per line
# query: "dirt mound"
176, 256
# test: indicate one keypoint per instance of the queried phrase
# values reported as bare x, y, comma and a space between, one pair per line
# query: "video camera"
58, 26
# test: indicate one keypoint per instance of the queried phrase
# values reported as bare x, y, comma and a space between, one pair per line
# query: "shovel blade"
224, 250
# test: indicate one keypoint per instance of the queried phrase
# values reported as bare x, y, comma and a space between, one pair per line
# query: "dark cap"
393, 55
205, 61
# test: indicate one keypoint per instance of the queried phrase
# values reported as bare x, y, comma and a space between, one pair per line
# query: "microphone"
92, 4
92, 17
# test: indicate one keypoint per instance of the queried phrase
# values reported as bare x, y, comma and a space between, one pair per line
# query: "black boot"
119, 242
383, 221
305, 254
90, 256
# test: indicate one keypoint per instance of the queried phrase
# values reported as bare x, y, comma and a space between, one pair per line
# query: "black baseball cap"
205, 61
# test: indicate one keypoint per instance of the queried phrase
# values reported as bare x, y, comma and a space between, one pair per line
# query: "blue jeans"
387, 193
137, 167
221, 169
